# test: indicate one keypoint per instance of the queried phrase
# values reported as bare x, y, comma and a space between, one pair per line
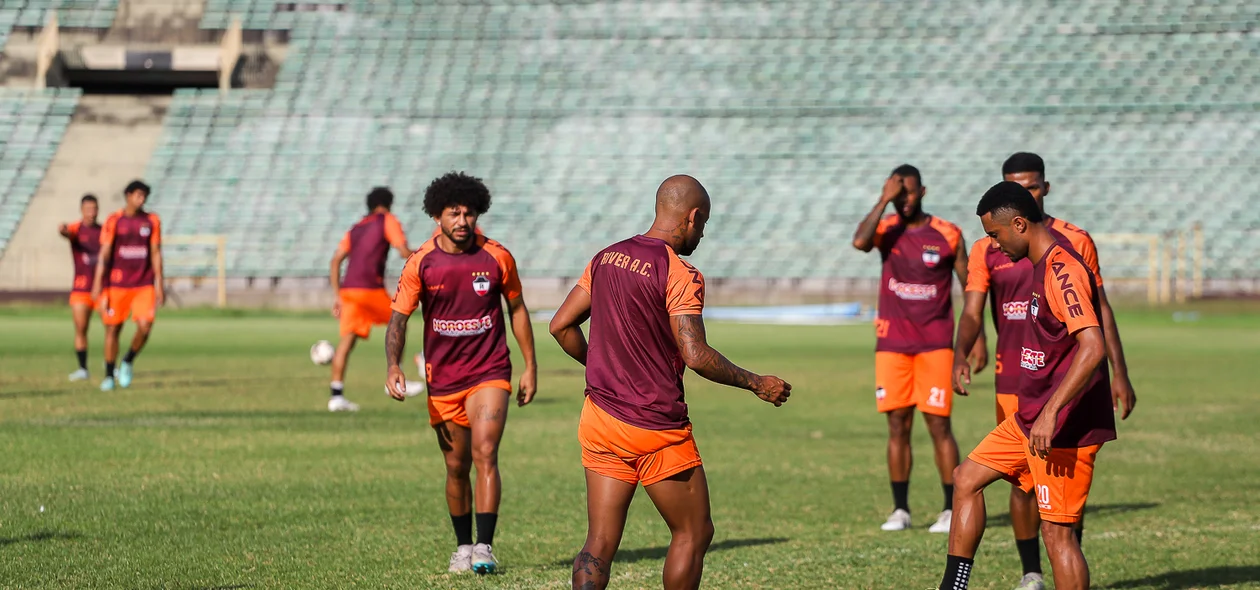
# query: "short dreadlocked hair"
455, 189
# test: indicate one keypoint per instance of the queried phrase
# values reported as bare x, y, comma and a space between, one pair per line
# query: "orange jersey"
131, 239
915, 306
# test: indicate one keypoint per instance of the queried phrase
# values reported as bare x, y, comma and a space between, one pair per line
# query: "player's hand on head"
527, 388
961, 375
1122, 396
893, 187
396, 383
772, 389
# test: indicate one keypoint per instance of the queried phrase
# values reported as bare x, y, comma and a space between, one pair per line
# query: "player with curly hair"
458, 279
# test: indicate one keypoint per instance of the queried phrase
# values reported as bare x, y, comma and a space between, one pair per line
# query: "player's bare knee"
967, 478
457, 467
485, 454
1057, 536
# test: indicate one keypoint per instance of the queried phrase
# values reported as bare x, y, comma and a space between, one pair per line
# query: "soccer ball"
322, 352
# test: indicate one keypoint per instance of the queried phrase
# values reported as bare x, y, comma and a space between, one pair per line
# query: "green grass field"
221, 468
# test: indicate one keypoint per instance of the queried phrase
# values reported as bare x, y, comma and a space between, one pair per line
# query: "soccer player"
85, 246
914, 331
645, 306
1048, 446
131, 252
361, 298
993, 276
460, 280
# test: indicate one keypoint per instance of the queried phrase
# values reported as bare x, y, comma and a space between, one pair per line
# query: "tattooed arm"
707, 362
395, 342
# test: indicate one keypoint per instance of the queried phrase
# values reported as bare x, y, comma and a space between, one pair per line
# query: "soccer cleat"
483, 561
124, 375
80, 375
1031, 582
107, 384
942, 522
339, 403
461, 560
899, 520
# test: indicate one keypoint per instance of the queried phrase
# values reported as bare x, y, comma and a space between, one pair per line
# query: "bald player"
645, 307
1050, 443
914, 330
992, 275
361, 298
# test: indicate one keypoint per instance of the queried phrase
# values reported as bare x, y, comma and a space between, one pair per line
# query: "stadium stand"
790, 112
32, 123
94, 14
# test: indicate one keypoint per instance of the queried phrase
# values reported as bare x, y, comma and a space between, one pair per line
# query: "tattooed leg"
487, 412
607, 501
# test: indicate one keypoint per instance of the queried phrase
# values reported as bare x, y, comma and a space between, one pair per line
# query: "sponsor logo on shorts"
463, 327
911, 291
133, 252
1015, 310
880, 394
1032, 359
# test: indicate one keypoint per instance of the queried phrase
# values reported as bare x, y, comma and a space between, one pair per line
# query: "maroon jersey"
633, 367
1007, 284
131, 240
465, 341
85, 247
1063, 300
915, 305
368, 244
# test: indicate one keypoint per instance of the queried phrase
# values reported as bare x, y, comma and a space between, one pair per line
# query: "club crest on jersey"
931, 256
1034, 306
481, 283
145, 231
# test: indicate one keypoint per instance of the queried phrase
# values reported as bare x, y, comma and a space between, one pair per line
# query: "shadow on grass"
37, 537
1004, 519
1227, 575
634, 555
33, 393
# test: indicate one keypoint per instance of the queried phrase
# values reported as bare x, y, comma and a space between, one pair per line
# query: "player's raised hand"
527, 388
396, 383
1122, 397
893, 187
961, 375
772, 389
1040, 434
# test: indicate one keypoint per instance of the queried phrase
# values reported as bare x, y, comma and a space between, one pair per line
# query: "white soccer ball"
322, 352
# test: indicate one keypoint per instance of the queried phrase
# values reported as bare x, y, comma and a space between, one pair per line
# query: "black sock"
949, 495
1029, 554
957, 573
336, 387
901, 495
1079, 532
109, 369
463, 528
82, 354
131, 356
486, 522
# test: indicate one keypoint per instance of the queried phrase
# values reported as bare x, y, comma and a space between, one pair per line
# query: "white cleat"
899, 520
483, 561
942, 522
339, 403
1031, 582
80, 375
461, 560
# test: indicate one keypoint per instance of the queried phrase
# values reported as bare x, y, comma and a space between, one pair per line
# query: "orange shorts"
120, 302
81, 298
1061, 480
631, 454
914, 380
1007, 405
363, 308
453, 407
